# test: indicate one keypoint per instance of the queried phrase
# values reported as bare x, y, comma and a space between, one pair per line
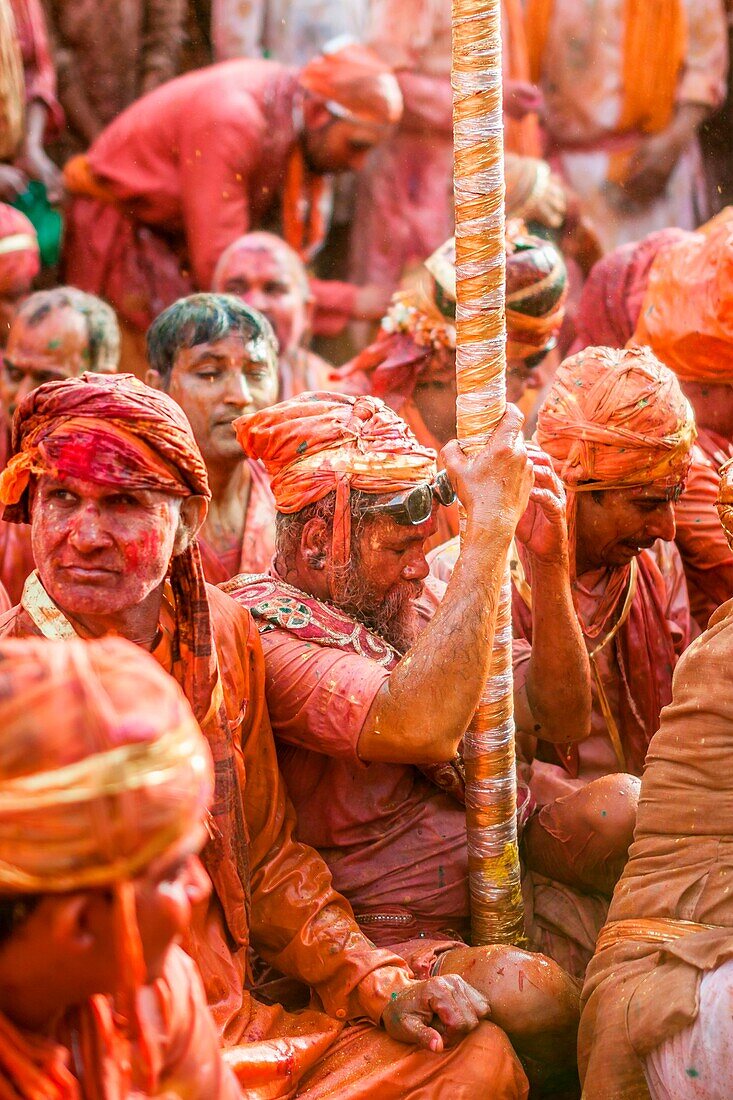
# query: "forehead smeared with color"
235, 259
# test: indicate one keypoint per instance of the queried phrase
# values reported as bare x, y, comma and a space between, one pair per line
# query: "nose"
663, 524
256, 299
237, 390
417, 568
87, 532
198, 883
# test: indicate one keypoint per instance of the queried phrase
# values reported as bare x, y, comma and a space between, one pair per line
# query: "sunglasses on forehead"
415, 505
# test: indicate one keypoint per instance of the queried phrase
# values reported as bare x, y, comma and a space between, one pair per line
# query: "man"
412, 363
258, 143
55, 334
265, 272
109, 472
657, 1018
351, 659
684, 318
102, 814
218, 359
627, 83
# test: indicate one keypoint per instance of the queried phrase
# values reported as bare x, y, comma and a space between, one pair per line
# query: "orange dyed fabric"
687, 313
317, 443
655, 39
521, 136
643, 987
19, 256
355, 84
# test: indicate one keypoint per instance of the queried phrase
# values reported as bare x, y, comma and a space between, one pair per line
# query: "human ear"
190, 521
314, 543
154, 379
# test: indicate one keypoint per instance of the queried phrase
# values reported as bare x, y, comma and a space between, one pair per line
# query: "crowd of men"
241, 639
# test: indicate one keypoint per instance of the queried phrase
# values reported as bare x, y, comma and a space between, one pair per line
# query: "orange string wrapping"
491, 787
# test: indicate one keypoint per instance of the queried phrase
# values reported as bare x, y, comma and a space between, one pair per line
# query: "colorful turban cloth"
318, 443
114, 430
103, 768
616, 419
354, 83
687, 313
20, 259
611, 300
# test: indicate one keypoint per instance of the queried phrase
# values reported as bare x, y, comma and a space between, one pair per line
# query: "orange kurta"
299, 925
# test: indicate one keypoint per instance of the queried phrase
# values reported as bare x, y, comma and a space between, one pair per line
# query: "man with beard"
187, 169
265, 272
369, 701
116, 489
57, 333
218, 359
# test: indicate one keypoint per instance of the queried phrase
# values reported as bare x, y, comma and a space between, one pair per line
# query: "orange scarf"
306, 207
655, 44
520, 135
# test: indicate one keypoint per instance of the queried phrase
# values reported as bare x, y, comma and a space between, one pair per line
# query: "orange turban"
320, 442
20, 259
103, 766
354, 83
616, 419
687, 313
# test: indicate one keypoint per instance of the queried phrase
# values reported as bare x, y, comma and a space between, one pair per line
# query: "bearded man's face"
384, 578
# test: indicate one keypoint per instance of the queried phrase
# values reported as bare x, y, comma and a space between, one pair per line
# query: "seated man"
657, 1019
412, 363
685, 320
619, 433
101, 816
349, 667
109, 473
217, 358
266, 273
57, 333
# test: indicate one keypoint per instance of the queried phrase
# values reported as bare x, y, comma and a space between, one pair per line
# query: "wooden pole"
491, 789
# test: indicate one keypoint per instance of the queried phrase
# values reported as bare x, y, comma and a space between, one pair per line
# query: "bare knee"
610, 805
528, 993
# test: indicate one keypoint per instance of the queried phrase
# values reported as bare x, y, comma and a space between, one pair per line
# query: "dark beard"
394, 616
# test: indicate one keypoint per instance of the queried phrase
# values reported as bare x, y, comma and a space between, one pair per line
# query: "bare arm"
424, 708
555, 702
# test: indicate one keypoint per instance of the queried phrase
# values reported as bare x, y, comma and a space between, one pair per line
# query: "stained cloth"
19, 256
289, 31
596, 115
257, 546
685, 316
122, 781
38, 68
107, 55
643, 987
612, 296
300, 926
321, 442
224, 138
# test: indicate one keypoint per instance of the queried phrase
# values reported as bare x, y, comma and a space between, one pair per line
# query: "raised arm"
422, 711
555, 702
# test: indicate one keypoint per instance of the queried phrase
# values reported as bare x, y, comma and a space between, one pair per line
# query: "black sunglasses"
415, 505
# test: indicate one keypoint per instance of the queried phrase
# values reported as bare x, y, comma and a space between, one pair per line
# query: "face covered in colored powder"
333, 145
217, 382
615, 525
266, 277
103, 549
385, 576
55, 347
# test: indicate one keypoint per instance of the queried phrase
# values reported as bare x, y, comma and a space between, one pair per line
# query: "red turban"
687, 314
610, 303
355, 84
614, 419
320, 442
114, 430
20, 259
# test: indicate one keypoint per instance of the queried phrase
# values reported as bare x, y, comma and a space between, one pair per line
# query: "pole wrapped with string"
491, 787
